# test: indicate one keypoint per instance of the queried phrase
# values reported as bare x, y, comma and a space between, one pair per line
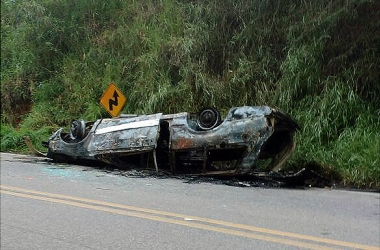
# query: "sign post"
113, 100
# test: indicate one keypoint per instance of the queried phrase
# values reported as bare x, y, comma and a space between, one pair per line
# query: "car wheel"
77, 129
208, 118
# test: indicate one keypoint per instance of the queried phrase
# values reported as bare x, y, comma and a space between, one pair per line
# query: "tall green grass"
12, 140
317, 60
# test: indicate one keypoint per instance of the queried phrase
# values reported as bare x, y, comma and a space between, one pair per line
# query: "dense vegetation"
317, 60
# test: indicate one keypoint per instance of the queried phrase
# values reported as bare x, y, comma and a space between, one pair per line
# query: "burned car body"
247, 140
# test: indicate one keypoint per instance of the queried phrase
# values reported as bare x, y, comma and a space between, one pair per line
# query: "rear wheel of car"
208, 118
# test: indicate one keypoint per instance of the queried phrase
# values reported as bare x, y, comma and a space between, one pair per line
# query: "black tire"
77, 130
208, 118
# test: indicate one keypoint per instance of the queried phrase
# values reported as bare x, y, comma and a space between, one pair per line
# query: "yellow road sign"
113, 100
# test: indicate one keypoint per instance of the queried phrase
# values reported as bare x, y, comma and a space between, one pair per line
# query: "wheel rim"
77, 129
208, 118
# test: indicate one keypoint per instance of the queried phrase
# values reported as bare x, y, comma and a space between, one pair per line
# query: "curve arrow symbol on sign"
113, 102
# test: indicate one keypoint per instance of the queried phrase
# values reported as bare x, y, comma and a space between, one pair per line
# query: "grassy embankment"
317, 60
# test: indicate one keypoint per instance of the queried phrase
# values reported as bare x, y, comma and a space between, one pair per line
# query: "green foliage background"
317, 60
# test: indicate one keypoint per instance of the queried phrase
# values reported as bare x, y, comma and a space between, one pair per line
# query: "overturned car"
248, 140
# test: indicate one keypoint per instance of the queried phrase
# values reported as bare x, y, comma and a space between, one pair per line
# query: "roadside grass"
352, 159
12, 139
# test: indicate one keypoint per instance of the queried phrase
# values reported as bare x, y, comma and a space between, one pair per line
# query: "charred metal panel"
243, 127
108, 136
185, 137
126, 135
239, 113
60, 147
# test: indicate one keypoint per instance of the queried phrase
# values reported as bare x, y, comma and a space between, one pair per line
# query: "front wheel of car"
77, 129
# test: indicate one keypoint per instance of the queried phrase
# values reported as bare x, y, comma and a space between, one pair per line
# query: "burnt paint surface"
243, 127
110, 136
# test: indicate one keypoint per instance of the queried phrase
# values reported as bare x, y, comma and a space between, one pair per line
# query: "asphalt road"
54, 206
